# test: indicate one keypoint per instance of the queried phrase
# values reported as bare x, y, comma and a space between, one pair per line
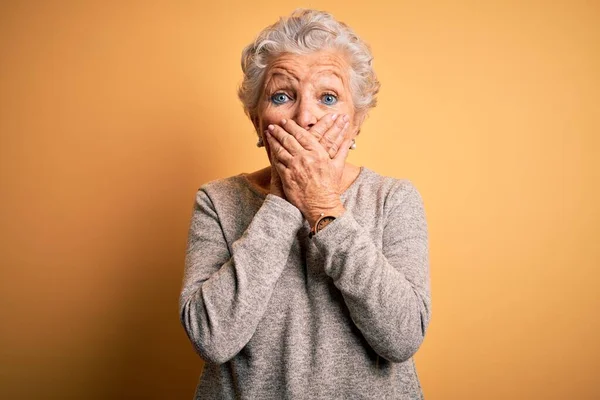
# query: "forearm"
220, 312
390, 304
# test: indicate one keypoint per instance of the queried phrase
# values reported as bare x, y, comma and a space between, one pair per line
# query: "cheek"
274, 115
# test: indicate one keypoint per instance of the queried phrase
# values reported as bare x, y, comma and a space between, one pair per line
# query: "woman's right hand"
276, 185
326, 131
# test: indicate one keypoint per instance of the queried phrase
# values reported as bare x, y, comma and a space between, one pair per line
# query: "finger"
285, 139
278, 152
281, 170
331, 137
333, 146
342, 154
323, 125
276, 185
302, 136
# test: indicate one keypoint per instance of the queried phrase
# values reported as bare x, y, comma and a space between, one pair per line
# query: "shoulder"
391, 191
232, 183
401, 205
233, 190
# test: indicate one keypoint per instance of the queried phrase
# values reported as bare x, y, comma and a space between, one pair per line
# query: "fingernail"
271, 127
283, 121
346, 118
333, 117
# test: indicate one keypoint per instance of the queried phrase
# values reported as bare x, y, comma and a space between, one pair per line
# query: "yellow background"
112, 114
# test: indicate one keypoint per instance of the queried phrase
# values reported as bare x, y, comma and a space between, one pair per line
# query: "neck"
262, 178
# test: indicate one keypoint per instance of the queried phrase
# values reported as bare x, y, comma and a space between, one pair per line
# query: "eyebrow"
337, 85
292, 79
332, 72
286, 76
278, 75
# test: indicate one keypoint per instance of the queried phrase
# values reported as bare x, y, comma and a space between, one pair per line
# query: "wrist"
314, 214
278, 193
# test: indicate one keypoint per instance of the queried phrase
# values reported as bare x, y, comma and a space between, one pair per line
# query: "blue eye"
280, 98
329, 99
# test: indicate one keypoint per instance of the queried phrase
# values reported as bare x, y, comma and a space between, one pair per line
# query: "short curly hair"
303, 32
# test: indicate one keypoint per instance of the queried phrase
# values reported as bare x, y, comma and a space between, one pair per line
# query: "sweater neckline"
361, 173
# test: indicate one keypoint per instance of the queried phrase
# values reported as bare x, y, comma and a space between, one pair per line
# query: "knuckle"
323, 156
307, 161
297, 167
328, 141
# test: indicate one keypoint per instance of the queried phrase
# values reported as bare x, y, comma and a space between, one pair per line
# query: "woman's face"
304, 88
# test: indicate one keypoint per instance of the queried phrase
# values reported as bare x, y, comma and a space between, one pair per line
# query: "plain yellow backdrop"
112, 114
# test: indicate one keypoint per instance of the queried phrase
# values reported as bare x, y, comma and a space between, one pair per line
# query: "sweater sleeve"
386, 290
226, 289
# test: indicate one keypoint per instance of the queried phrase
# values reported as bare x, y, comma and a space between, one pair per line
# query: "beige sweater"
277, 315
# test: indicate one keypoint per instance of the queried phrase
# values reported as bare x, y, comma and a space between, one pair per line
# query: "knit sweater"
278, 315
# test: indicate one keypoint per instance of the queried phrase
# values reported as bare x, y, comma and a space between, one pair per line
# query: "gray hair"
306, 31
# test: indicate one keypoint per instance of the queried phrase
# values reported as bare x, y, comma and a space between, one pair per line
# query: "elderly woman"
308, 278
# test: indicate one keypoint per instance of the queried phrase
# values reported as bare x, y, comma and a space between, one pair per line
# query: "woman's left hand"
312, 180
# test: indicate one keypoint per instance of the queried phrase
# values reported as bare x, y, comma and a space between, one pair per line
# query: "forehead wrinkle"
298, 65
317, 69
327, 73
274, 80
287, 71
282, 74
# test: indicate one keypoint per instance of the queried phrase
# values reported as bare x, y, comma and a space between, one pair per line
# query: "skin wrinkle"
306, 72
305, 79
324, 84
308, 76
278, 313
293, 80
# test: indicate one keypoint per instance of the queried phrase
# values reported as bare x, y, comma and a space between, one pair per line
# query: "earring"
353, 145
260, 142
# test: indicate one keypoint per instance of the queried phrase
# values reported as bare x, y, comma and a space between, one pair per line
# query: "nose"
306, 113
